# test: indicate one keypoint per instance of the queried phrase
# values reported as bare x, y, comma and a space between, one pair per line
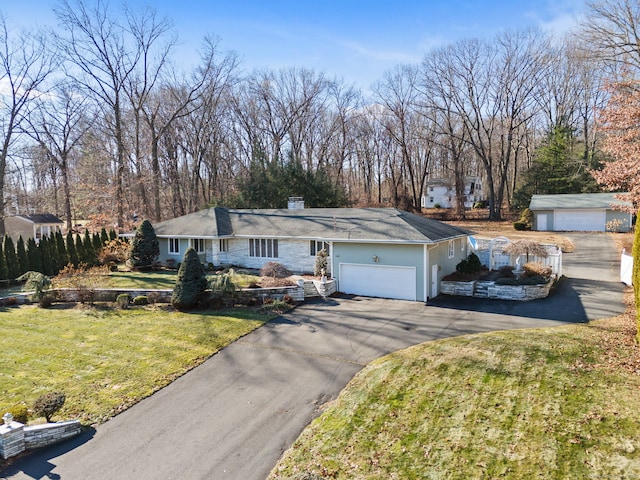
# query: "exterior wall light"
376, 259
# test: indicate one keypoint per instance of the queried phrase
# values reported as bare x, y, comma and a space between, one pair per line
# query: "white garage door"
378, 281
580, 220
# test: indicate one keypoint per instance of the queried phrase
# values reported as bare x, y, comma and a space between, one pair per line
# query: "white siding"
293, 254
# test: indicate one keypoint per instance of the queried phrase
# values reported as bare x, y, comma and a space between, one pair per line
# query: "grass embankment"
105, 359
548, 403
153, 280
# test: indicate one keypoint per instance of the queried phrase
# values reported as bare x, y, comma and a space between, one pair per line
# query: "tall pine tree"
11, 258
60, 252
21, 251
33, 256
145, 247
72, 253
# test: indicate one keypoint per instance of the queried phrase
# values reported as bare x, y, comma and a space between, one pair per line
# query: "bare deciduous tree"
25, 65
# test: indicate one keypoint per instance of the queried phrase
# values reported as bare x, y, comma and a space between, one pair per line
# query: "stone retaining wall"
16, 438
38, 436
304, 289
480, 289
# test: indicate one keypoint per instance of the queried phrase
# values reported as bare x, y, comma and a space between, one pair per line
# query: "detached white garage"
582, 212
383, 281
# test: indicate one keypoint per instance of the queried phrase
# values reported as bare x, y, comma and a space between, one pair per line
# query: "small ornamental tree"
320, 267
145, 247
48, 404
191, 282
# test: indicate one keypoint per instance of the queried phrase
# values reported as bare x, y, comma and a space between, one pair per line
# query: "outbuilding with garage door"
583, 212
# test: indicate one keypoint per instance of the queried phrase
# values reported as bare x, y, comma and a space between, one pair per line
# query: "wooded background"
99, 123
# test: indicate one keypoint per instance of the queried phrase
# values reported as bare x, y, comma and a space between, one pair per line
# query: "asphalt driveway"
233, 416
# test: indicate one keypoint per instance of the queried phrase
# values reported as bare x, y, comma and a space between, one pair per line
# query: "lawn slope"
549, 403
105, 359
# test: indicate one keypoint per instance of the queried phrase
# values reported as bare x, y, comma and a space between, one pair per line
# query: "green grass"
551, 403
158, 280
105, 360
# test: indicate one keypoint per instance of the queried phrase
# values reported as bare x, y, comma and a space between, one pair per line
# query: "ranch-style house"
378, 252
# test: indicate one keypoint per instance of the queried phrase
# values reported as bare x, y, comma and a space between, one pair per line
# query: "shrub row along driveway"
233, 416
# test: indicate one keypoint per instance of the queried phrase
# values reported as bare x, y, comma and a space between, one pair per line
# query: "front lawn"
549, 403
105, 359
152, 280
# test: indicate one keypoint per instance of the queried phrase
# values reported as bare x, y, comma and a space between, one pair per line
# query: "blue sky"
353, 40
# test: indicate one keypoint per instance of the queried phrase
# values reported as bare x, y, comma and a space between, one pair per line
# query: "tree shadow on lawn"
37, 463
571, 300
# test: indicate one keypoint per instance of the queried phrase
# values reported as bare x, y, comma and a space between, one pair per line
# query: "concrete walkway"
233, 416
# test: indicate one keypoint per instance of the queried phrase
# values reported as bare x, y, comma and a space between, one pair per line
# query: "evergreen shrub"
191, 282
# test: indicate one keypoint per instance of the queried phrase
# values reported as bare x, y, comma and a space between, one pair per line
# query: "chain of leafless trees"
99, 121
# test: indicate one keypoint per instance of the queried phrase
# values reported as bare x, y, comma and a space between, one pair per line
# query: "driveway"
233, 416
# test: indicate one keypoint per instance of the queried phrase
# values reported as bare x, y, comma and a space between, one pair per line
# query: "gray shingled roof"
41, 218
576, 201
355, 224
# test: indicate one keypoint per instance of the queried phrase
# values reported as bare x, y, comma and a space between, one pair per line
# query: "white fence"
626, 268
491, 254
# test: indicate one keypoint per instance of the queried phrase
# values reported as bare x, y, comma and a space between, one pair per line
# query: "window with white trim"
223, 245
316, 245
198, 245
452, 249
263, 247
463, 241
174, 246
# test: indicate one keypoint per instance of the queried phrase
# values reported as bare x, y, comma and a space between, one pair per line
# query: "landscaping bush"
20, 413
153, 297
191, 282
277, 306
506, 271
521, 225
471, 264
46, 301
48, 404
114, 252
526, 220
275, 270
141, 300
223, 285
36, 282
122, 301
533, 269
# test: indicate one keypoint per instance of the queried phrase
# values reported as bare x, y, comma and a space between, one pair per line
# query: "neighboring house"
378, 252
442, 193
582, 212
32, 226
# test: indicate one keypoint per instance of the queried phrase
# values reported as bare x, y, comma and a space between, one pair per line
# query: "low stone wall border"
497, 292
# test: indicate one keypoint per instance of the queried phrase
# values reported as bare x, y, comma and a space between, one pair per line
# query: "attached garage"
385, 281
581, 212
580, 220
